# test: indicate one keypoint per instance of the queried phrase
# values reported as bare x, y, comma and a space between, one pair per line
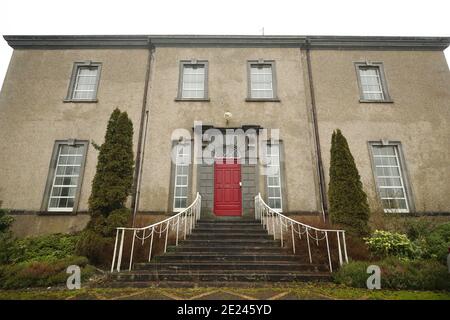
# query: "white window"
261, 81
273, 177
181, 177
85, 86
66, 178
389, 178
193, 81
371, 83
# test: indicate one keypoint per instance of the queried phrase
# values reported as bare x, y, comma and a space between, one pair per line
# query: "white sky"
295, 17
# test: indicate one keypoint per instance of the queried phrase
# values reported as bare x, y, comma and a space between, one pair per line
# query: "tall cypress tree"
348, 201
114, 176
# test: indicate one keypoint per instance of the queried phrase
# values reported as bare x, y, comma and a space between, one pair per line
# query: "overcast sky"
277, 17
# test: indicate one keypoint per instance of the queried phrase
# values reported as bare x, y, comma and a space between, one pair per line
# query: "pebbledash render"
390, 96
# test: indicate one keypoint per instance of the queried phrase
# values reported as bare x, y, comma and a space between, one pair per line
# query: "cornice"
143, 41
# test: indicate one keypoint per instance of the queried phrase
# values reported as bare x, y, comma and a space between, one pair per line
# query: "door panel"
227, 189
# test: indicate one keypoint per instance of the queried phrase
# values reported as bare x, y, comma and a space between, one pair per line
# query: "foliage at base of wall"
96, 242
397, 274
39, 261
42, 273
421, 241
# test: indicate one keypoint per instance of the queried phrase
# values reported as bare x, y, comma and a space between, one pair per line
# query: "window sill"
56, 213
262, 100
80, 101
375, 101
192, 100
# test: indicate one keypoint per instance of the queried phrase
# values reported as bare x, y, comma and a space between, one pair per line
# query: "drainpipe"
141, 139
321, 175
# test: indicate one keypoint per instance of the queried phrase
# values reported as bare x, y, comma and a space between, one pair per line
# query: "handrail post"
292, 236
273, 225
185, 225
309, 246
167, 235
281, 230
119, 259
151, 245
339, 248
132, 250
345, 247
178, 227
328, 249
115, 249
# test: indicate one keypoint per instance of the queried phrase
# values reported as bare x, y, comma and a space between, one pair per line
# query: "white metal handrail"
187, 219
275, 222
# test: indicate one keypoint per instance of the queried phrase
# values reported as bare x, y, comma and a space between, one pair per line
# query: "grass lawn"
298, 291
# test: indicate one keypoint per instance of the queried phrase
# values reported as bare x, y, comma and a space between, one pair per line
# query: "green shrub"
348, 201
385, 243
97, 240
94, 246
417, 230
117, 218
5, 220
41, 273
397, 274
43, 248
114, 176
437, 243
6, 247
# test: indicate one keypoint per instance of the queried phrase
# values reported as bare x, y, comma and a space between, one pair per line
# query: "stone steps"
216, 275
231, 256
231, 243
230, 236
182, 266
225, 251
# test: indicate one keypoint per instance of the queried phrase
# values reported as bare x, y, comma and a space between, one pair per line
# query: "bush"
437, 243
94, 246
397, 274
6, 247
348, 201
114, 176
43, 248
41, 273
385, 243
117, 218
5, 220
417, 230
97, 240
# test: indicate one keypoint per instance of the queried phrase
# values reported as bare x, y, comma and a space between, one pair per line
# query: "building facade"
226, 116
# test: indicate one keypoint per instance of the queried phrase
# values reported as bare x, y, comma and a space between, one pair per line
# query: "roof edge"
143, 41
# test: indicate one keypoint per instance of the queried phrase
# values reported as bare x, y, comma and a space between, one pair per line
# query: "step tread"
235, 248
245, 263
219, 272
229, 254
231, 240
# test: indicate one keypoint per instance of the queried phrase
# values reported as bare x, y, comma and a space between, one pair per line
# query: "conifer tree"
114, 176
348, 201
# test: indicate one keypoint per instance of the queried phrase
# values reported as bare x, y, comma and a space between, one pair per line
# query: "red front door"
227, 188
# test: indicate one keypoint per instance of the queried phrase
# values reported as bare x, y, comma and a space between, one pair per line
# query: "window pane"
261, 81
274, 196
181, 176
389, 178
193, 85
371, 85
66, 178
85, 82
